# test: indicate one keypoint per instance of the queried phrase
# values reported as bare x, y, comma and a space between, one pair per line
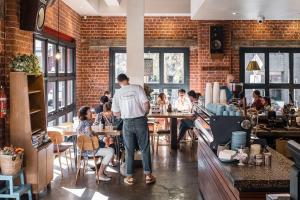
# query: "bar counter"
218, 180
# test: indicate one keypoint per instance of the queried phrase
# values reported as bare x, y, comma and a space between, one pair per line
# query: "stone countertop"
261, 178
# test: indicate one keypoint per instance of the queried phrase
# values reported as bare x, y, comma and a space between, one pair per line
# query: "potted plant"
11, 160
26, 63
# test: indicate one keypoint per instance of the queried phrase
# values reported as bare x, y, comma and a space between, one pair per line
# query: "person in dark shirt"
257, 102
99, 108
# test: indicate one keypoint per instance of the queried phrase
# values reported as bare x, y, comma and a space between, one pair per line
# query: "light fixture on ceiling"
253, 64
112, 2
58, 53
235, 13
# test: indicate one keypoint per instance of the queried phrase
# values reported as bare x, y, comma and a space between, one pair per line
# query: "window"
279, 77
170, 69
59, 78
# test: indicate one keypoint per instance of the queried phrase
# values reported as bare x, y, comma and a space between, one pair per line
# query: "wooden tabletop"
64, 128
105, 131
170, 115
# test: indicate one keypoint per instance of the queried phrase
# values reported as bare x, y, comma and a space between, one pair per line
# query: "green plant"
26, 63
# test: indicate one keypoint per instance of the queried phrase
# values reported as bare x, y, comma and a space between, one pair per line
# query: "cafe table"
173, 116
109, 131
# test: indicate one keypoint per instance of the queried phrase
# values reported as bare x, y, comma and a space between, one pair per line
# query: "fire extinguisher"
3, 103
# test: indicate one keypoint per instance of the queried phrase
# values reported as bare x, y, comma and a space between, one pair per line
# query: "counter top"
261, 178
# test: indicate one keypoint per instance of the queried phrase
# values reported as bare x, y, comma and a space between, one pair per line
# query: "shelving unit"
28, 121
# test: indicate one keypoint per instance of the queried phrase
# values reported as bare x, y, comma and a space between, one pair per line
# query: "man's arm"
147, 107
116, 107
117, 114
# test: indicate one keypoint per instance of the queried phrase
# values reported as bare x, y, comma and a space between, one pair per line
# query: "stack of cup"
216, 92
238, 140
208, 94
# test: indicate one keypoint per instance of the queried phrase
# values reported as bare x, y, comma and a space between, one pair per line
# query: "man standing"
131, 103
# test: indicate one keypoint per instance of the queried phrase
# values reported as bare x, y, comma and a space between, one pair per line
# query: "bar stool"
15, 192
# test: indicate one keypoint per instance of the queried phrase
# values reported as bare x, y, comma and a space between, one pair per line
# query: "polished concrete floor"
176, 180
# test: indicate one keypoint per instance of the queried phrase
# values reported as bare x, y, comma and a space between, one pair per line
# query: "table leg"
173, 129
118, 151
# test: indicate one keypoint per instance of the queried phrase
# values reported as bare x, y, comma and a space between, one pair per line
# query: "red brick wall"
14, 41
203, 68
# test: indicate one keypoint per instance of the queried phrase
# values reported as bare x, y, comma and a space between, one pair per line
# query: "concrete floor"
176, 180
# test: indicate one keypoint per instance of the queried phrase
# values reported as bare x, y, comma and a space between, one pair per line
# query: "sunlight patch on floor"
99, 196
77, 192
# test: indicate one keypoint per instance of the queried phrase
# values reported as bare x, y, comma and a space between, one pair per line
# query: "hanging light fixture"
58, 53
253, 64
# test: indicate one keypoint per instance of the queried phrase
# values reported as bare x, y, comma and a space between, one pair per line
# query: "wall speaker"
216, 40
32, 15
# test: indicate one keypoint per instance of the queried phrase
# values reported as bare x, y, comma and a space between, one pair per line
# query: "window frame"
57, 77
291, 86
161, 85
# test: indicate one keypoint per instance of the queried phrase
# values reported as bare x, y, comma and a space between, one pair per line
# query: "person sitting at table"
266, 101
187, 124
99, 108
182, 103
84, 127
162, 99
108, 119
108, 94
257, 101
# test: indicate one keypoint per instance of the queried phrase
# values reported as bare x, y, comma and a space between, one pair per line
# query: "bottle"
169, 108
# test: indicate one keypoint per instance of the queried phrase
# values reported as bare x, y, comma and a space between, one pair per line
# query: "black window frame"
57, 77
161, 85
291, 86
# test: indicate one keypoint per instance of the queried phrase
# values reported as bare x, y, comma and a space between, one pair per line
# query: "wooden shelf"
36, 130
34, 91
33, 111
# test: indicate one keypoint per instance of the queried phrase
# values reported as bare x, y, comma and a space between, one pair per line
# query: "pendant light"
58, 53
253, 65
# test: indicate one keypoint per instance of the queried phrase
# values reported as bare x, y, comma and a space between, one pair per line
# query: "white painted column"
135, 41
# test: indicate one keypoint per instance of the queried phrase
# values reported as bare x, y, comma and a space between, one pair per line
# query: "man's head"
256, 94
103, 100
192, 96
107, 93
123, 79
181, 93
229, 79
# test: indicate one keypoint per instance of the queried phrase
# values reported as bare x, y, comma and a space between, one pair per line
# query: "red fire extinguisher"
3, 103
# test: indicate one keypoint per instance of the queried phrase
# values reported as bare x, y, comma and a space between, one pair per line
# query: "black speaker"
32, 15
216, 40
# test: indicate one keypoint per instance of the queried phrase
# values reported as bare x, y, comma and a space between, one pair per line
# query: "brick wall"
14, 41
203, 68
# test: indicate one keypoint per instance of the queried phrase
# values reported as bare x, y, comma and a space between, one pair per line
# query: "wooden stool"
15, 192
163, 133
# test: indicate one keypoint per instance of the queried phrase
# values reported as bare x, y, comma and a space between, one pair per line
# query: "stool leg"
70, 158
61, 171
157, 143
29, 194
67, 160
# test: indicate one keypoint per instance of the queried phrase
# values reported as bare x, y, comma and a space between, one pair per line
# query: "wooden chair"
91, 144
163, 132
151, 127
60, 147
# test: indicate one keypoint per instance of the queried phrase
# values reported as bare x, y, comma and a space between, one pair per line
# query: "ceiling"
245, 9
152, 7
197, 9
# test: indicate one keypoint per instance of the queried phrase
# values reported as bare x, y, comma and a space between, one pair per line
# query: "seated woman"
266, 101
108, 119
162, 101
84, 127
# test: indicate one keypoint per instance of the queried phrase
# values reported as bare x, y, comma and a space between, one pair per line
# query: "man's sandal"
129, 180
150, 179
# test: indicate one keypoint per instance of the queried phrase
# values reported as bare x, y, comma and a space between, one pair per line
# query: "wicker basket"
10, 166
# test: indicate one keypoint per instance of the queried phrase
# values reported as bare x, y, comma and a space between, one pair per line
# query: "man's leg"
142, 135
184, 126
129, 143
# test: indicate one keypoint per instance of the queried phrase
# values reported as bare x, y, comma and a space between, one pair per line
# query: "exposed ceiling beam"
112, 2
